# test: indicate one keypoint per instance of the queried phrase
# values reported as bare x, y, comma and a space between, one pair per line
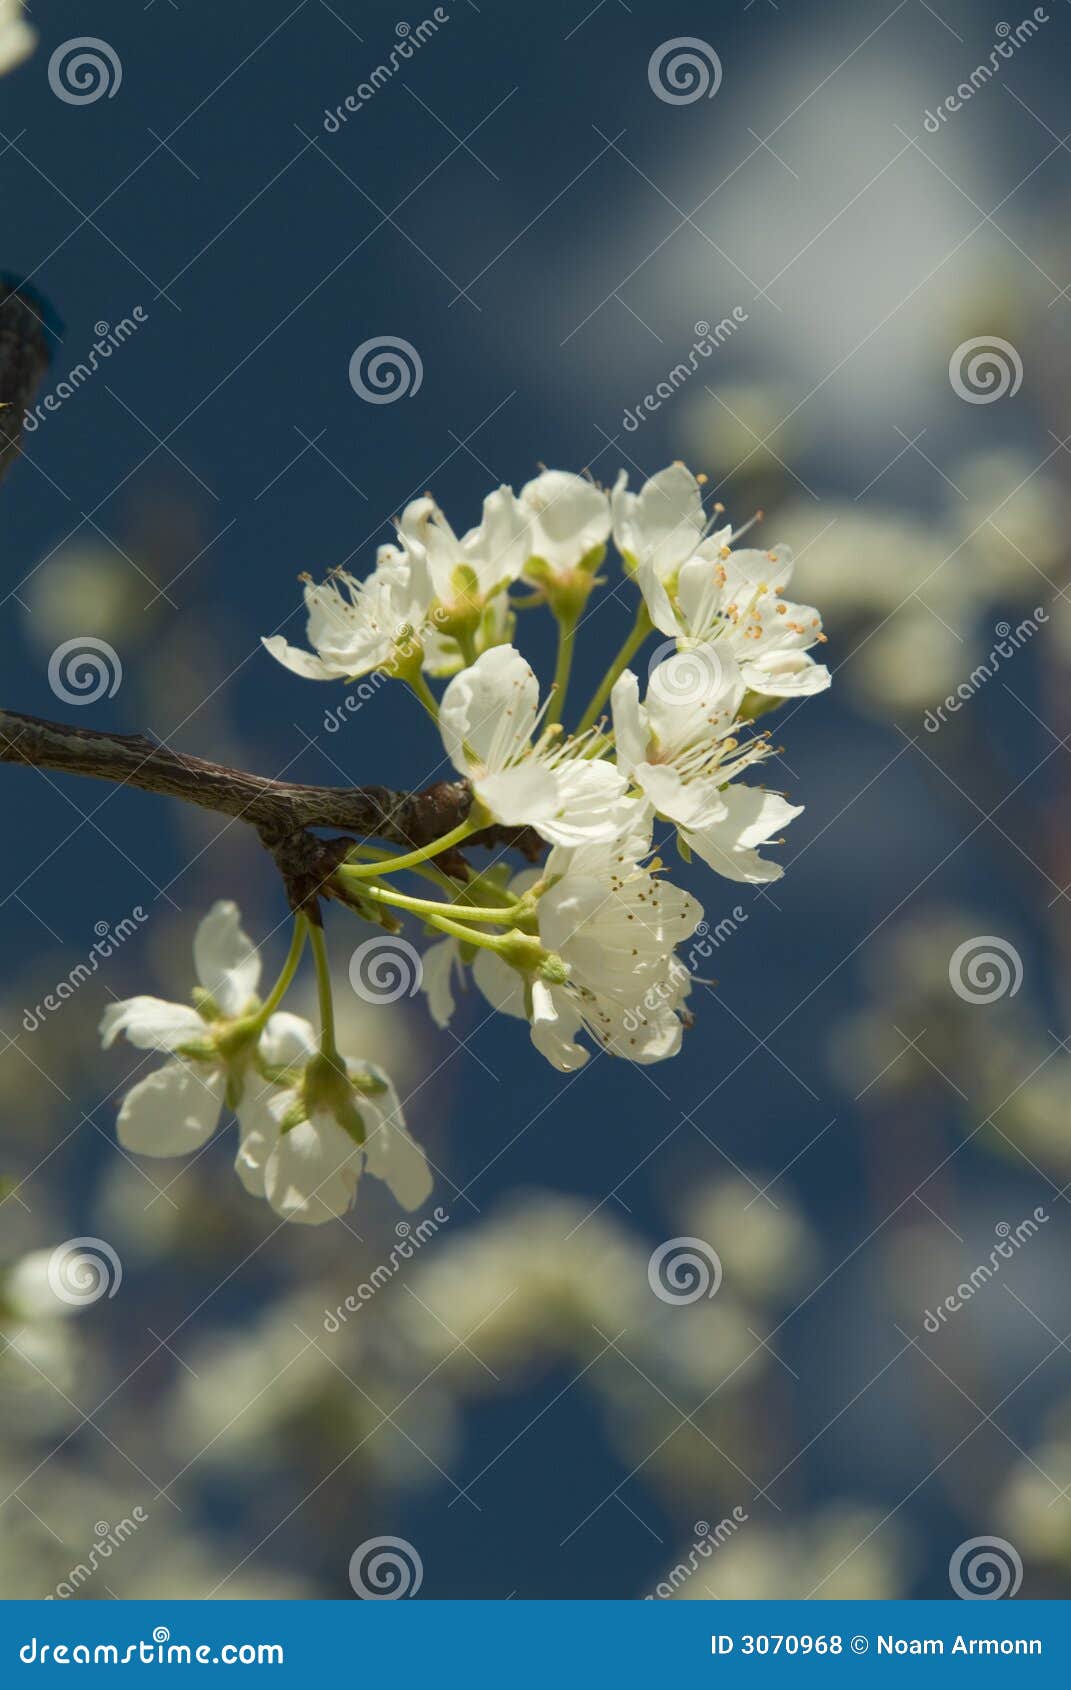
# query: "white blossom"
659, 528
736, 599
683, 752
175, 1109
465, 573
357, 626
570, 522
306, 1140
614, 925
488, 716
699, 590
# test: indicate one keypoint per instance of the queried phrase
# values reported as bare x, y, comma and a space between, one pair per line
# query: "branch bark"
24, 357
282, 812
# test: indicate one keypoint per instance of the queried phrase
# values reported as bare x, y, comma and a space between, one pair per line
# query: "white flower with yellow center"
612, 926
488, 716
736, 599
680, 747
465, 575
357, 626
697, 589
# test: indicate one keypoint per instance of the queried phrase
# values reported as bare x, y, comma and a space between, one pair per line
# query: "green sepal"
367, 1083
205, 1004
756, 704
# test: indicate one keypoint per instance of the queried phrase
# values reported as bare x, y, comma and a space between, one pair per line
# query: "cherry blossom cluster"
583, 944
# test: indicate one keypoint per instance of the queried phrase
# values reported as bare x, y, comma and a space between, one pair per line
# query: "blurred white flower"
17, 39
85, 588
836, 1554
766, 1253
1015, 523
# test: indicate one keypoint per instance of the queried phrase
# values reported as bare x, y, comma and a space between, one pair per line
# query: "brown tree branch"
282, 812
24, 358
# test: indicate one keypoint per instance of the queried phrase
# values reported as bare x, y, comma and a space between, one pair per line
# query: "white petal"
570, 517
695, 803
657, 600
304, 663
701, 591
500, 984
630, 726
555, 1024
664, 522
311, 1175
786, 674
173, 1111
499, 549
441, 548
226, 960
757, 814
287, 1040
616, 936
523, 796
258, 1133
694, 695
751, 566
438, 963
591, 803
413, 526
752, 817
152, 1024
390, 1154
647, 1031
491, 708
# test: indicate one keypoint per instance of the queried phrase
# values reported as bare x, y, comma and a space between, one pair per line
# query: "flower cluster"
309, 1121
583, 944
